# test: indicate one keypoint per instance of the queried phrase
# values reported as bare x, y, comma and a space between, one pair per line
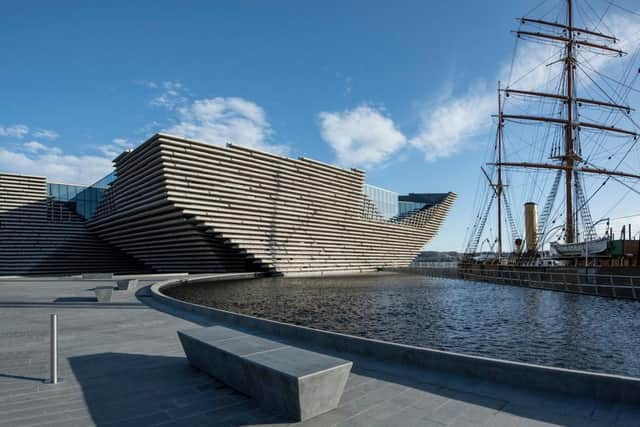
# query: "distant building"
176, 205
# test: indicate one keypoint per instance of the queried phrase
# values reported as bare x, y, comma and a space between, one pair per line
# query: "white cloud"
46, 134
109, 150
347, 82
446, 125
173, 95
35, 147
362, 137
149, 128
117, 146
626, 27
55, 165
20, 131
147, 84
121, 142
533, 67
226, 120
15, 131
445, 128
213, 120
37, 158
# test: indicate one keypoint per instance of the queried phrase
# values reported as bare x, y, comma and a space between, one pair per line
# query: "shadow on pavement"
70, 304
139, 390
21, 377
75, 299
465, 398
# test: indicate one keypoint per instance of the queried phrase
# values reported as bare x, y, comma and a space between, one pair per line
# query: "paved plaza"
122, 365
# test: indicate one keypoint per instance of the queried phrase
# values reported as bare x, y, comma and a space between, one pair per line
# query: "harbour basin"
526, 325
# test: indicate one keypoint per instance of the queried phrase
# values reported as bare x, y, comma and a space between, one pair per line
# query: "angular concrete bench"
103, 293
127, 284
289, 380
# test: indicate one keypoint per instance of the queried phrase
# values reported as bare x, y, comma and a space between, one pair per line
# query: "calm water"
528, 325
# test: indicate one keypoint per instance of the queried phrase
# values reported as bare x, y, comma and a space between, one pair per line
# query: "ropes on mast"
589, 232
515, 233
579, 125
478, 227
548, 206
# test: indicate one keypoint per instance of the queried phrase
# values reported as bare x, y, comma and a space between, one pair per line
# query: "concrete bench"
127, 284
289, 380
103, 293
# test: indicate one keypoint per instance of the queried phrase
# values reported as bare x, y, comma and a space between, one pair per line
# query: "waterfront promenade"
122, 364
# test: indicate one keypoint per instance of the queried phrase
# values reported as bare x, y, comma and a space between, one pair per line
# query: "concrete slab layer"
297, 383
123, 365
97, 275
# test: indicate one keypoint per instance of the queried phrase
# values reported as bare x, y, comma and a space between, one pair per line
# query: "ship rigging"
568, 140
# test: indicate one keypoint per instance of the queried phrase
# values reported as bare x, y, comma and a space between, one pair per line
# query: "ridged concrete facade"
138, 216
42, 236
181, 205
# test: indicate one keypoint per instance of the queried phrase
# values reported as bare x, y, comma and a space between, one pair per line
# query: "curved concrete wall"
181, 205
570, 382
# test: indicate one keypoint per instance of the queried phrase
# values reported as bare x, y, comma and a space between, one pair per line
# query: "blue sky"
378, 85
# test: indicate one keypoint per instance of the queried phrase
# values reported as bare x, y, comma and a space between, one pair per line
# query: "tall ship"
565, 150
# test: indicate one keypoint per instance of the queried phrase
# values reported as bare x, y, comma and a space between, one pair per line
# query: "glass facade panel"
106, 181
82, 199
391, 205
386, 201
406, 207
87, 201
52, 191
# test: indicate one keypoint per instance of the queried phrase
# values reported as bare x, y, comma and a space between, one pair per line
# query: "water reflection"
528, 325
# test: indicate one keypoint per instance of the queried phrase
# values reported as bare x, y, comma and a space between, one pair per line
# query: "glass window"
385, 201
84, 200
406, 207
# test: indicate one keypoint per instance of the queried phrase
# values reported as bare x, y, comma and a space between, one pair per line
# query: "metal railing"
435, 264
609, 285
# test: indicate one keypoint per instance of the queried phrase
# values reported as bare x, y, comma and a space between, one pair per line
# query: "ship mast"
569, 154
499, 184
571, 37
566, 155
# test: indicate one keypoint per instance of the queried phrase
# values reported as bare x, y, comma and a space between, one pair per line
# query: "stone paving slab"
123, 365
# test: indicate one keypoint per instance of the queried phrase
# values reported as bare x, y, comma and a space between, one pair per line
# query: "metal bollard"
53, 356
